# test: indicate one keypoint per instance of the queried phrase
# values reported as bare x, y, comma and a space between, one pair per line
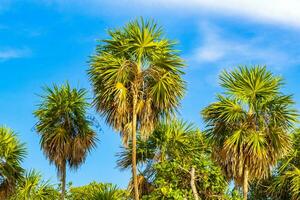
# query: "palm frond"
249, 125
66, 133
12, 153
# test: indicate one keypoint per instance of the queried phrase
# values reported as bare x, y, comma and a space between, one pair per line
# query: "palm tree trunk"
134, 171
245, 182
193, 185
63, 181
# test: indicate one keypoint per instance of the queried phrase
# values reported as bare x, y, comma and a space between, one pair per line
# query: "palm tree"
66, 133
248, 125
32, 187
97, 191
286, 183
12, 153
170, 140
136, 77
112, 192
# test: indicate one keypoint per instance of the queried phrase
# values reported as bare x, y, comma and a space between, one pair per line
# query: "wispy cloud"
221, 48
217, 47
8, 54
278, 11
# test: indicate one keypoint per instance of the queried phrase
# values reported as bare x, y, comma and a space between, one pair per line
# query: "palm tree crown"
136, 76
12, 153
286, 185
32, 187
136, 61
170, 139
248, 125
66, 133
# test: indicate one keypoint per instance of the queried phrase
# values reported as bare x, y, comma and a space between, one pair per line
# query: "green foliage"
259, 189
12, 153
136, 75
233, 195
136, 78
169, 139
248, 126
172, 180
97, 191
32, 187
167, 157
136, 67
286, 183
66, 133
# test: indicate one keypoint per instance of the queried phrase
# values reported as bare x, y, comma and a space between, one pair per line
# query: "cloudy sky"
50, 41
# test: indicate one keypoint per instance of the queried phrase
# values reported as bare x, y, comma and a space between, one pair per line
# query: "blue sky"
50, 41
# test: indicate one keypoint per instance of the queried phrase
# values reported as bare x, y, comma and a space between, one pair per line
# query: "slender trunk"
63, 181
193, 185
134, 171
245, 182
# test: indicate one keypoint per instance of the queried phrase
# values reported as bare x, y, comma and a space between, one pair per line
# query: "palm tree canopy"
286, 185
136, 61
32, 187
249, 123
97, 191
12, 153
66, 133
170, 139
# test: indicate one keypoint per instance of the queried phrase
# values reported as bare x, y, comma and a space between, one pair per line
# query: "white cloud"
270, 11
281, 11
8, 54
217, 47
222, 49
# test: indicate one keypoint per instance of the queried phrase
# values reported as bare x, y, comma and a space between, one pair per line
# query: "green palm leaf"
248, 126
12, 153
32, 187
66, 133
136, 78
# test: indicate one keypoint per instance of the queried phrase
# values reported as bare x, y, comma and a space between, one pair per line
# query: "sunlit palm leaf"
12, 153
136, 57
249, 125
66, 133
32, 187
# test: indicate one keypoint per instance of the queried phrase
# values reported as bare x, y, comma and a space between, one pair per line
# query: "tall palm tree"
12, 153
66, 133
32, 187
136, 77
248, 125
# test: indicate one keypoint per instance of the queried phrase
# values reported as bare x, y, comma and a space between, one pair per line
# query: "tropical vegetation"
249, 125
136, 77
66, 133
12, 153
247, 148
